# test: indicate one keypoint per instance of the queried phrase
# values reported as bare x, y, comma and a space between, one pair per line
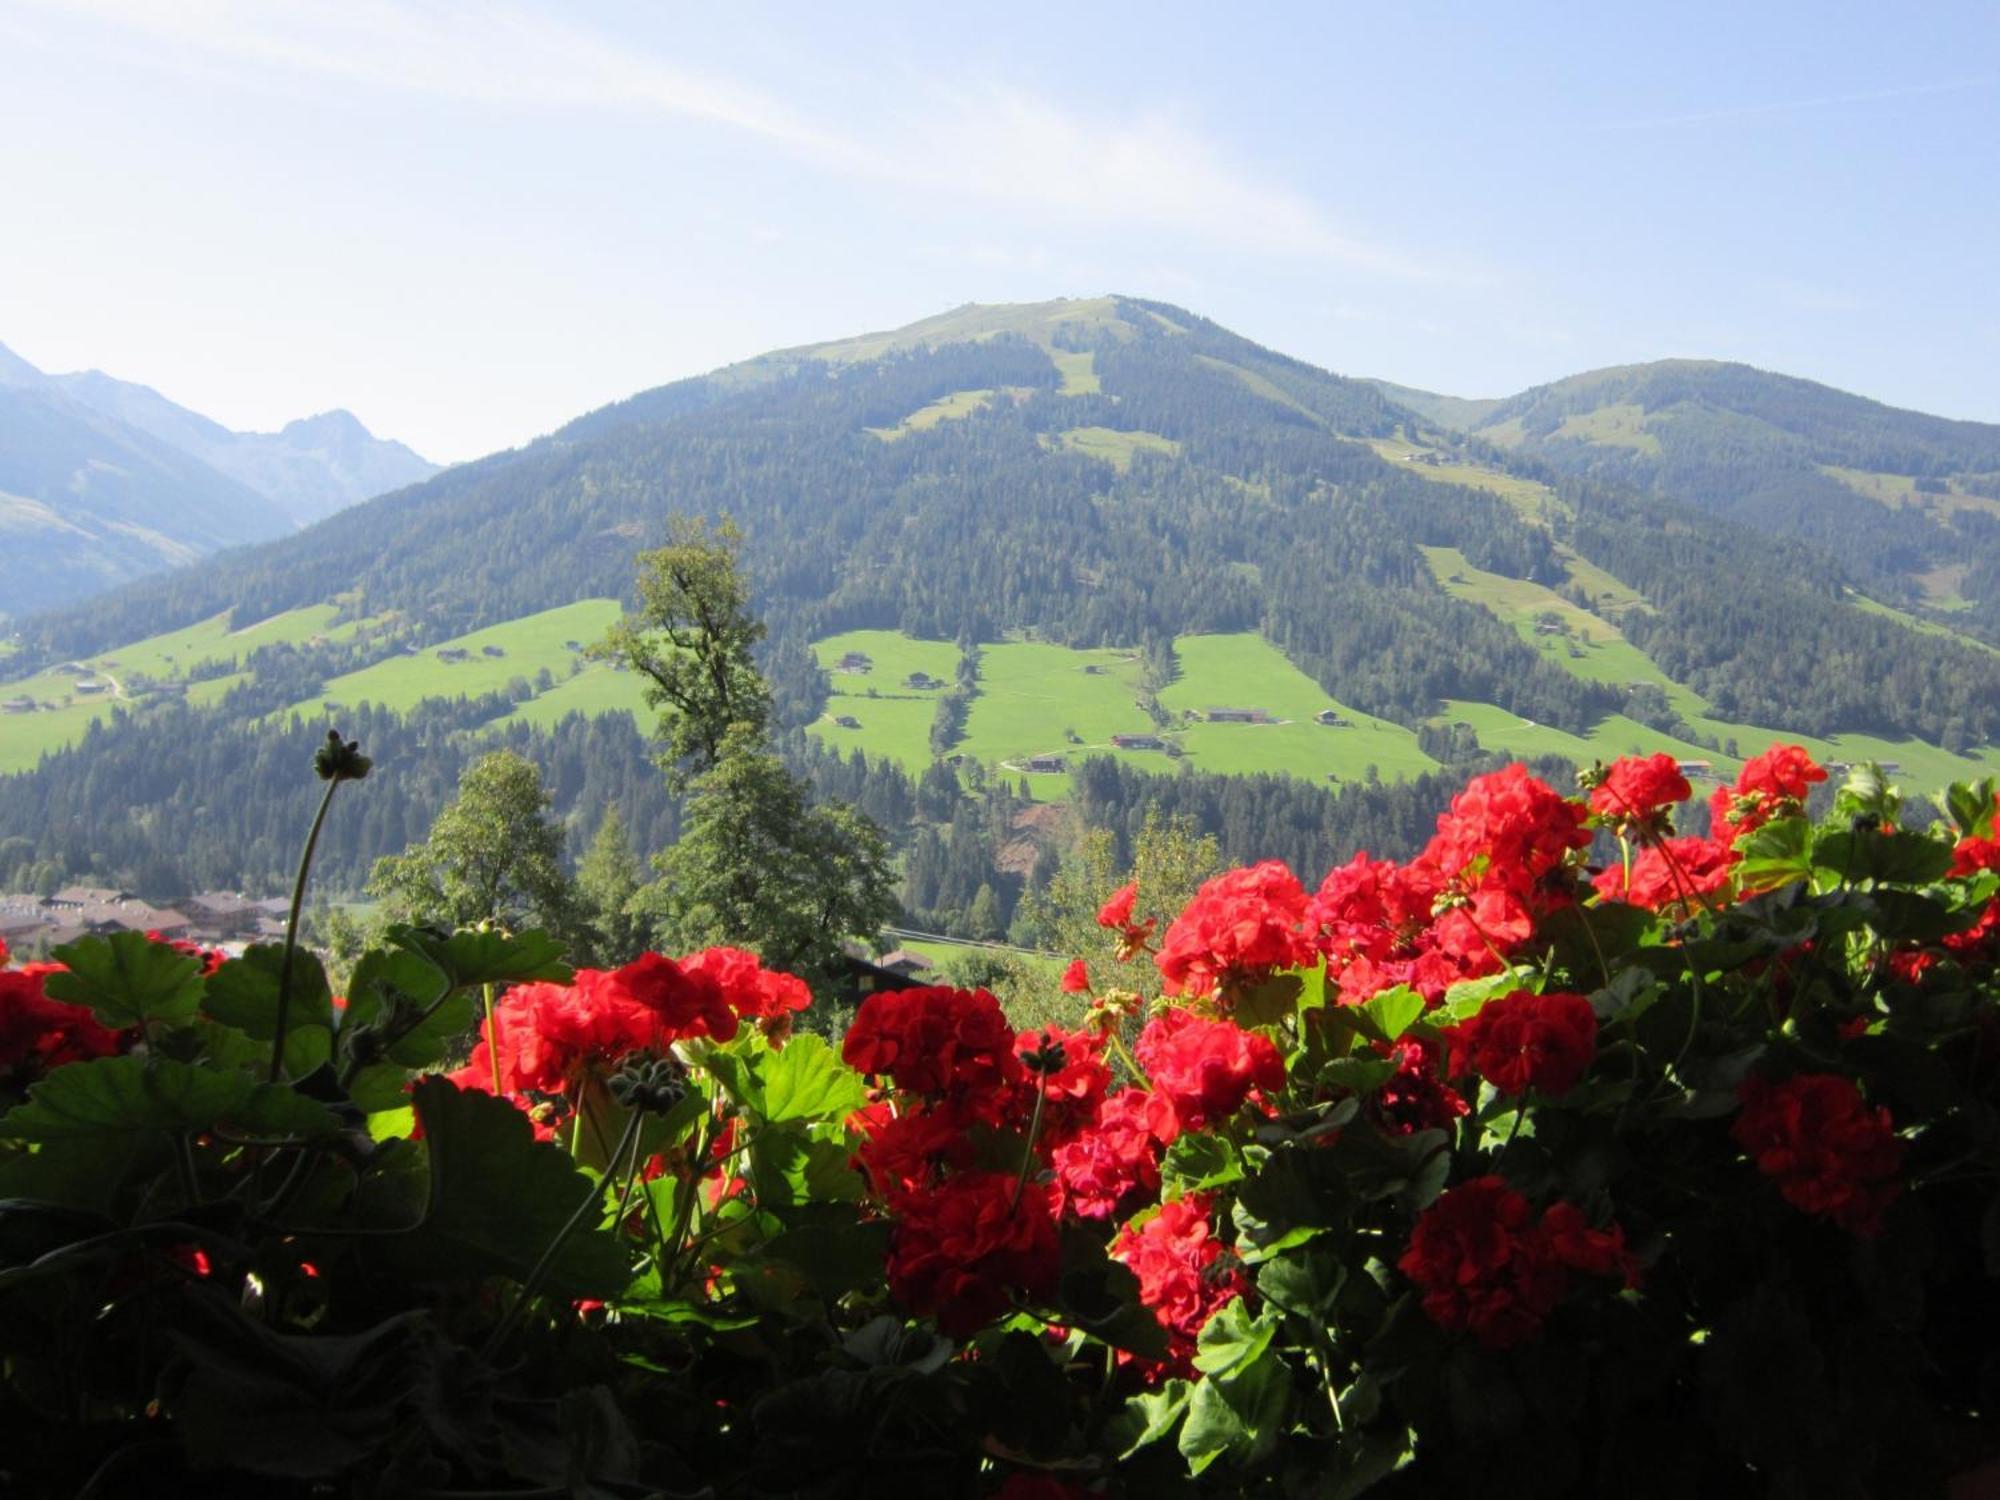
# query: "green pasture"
1246, 671
1117, 447
1592, 648
597, 690
62, 715
896, 722
1530, 500
1078, 369
945, 408
527, 645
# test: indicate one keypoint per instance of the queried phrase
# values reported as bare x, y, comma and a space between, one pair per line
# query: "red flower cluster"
1487, 1267
1669, 873
545, 1038
1499, 860
961, 1250
38, 1034
1416, 1097
1772, 785
1639, 790
1186, 1275
1105, 1167
1527, 1041
1240, 928
965, 1251
1205, 1070
1830, 1154
933, 1041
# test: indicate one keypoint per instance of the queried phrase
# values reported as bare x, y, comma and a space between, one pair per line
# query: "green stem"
292, 934
492, 1039
594, 1199
1028, 1152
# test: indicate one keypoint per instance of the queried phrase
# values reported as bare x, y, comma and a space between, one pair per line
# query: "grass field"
1032, 697
598, 689
1117, 447
1078, 369
1532, 501
945, 408
896, 721
527, 645
1247, 671
63, 715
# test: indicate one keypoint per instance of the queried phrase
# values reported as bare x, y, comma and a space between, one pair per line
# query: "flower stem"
593, 1199
1034, 1134
284, 1016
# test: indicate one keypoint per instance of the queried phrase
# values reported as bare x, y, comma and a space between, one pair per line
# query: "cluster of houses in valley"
33, 925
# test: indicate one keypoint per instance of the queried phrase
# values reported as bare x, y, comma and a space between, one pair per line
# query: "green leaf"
471, 957
397, 982
806, 1080
1197, 1161
127, 979
1777, 854
1101, 1296
121, 1095
788, 1167
1363, 1075
1897, 858
1390, 1013
836, 1258
1233, 1338
1270, 1002
1970, 806
244, 993
1151, 1416
496, 1199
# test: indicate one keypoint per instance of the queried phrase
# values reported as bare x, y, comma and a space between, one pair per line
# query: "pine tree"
609, 876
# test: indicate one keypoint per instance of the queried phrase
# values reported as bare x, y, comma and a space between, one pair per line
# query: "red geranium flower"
1116, 915
1524, 1040
1239, 928
1674, 872
38, 1035
1481, 1266
1175, 1255
1099, 1168
767, 996
1416, 1097
965, 1252
1637, 789
1206, 1069
934, 1040
1076, 978
1771, 785
1508, 827
1830, 1155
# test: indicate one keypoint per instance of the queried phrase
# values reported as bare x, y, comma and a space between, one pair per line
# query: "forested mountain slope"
1098, 475
1908, 503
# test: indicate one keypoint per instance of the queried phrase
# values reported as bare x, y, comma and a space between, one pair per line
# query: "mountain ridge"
107, 479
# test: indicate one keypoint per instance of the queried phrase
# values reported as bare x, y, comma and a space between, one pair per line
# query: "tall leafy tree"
494, 853
757, 865
691, 639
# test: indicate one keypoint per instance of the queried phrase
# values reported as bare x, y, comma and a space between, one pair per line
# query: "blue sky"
469, 223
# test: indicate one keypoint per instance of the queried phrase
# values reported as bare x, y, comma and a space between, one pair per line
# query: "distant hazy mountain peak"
16, 371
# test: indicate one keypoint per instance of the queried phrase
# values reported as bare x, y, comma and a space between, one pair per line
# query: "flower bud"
340, 760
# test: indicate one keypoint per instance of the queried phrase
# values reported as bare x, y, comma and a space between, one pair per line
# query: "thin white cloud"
1733, 112
997, 145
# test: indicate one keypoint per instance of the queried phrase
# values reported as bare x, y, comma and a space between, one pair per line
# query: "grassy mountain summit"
1910, 503
1101, 527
